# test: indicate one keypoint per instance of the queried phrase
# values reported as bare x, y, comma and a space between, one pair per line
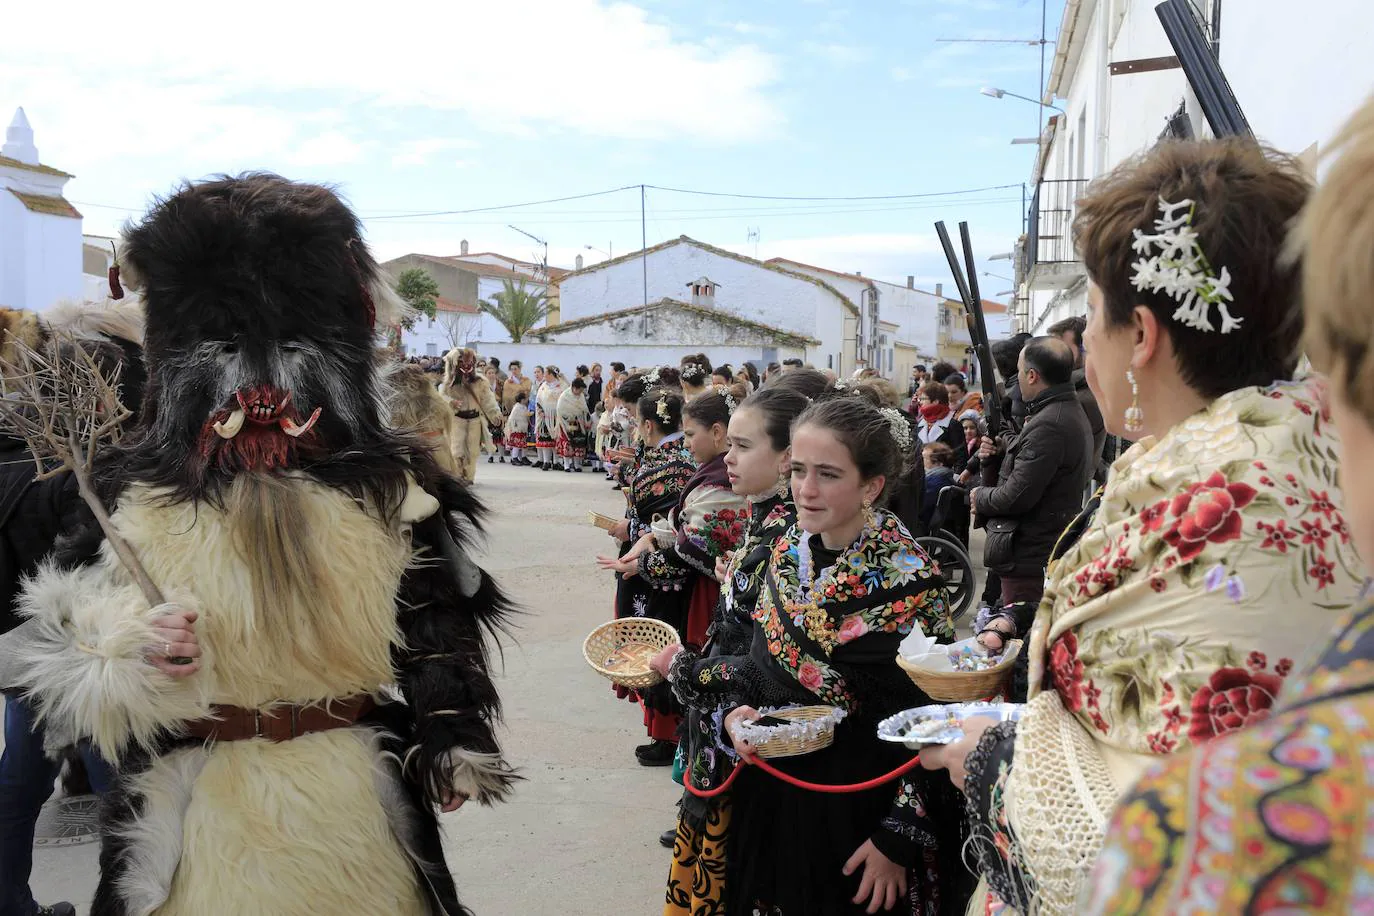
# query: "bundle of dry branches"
66, 407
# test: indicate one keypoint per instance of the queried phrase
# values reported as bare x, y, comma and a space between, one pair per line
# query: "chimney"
703, 292
577, 262
463, 248
910, 282
19, 140
939, 291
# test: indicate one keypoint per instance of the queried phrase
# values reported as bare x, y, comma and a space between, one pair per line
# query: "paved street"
581, 834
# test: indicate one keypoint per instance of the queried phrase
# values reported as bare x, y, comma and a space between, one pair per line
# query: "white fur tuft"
85, 668
155, 838
484, 778
93, 320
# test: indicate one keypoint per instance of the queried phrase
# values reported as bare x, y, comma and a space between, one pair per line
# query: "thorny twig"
66, 407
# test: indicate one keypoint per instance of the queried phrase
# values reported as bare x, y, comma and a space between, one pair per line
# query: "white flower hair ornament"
1174, 264
898, 426
651, 378
662, 409
730, 402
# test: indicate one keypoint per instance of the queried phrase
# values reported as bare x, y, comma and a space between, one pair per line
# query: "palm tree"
517, 309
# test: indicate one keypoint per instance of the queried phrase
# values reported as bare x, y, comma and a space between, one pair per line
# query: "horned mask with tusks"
262, 305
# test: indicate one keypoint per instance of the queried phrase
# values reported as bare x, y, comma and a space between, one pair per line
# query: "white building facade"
781, 304
40, 231
1297, 73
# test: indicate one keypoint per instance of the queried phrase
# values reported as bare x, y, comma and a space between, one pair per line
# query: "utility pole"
644, 244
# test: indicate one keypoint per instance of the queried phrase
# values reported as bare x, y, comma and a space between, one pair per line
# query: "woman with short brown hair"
1215, 555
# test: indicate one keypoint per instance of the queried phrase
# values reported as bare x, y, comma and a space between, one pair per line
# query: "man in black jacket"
1070, 330
1042, 475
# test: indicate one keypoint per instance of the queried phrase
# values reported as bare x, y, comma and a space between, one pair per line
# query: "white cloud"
836, 53
209, 89
420, 152
902, 74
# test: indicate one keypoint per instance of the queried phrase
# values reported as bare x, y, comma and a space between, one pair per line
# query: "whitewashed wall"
748, 290
40, 256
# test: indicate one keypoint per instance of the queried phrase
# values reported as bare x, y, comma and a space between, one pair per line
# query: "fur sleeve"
449, 611
82, 661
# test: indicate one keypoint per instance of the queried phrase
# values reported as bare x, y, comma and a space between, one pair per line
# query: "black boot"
656, 753
668, 839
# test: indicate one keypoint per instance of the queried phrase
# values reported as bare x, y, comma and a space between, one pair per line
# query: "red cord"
771, 770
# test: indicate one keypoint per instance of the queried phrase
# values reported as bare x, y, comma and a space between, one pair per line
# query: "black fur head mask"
259, 296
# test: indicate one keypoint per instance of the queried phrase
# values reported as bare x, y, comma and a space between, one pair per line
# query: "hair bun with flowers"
662, 410
1178, 268
899, 427
694, 373
724, 392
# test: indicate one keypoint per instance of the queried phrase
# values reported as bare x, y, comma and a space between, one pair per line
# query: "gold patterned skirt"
696, 880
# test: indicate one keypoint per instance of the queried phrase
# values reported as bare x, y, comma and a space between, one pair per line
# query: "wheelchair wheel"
956, 566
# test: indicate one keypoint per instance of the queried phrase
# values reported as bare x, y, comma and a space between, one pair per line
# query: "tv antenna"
544, 265
753, 235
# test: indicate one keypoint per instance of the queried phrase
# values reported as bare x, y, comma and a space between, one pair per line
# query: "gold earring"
1135, 417
784, 488
870, 517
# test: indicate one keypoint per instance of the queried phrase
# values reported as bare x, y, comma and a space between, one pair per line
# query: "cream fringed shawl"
1216, 558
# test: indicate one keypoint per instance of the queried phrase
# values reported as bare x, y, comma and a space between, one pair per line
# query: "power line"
422, 214
996, 187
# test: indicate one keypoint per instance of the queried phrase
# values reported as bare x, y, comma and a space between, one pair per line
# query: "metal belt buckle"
257, 723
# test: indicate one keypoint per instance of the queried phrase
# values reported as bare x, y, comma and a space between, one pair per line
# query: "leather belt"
280, 723
467, 414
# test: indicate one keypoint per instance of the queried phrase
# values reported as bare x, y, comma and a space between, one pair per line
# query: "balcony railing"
1051, 222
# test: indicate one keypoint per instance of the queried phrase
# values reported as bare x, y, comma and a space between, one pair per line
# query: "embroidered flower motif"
1209, 511
1067, 671
1321, 502
1315, 533
809, 675
1230, 700
852, 628
1323, 571
1154, 517
1277, 536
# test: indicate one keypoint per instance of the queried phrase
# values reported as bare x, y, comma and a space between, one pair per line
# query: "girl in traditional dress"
695, 375
532, 439
516, 425
546, 416
498, 441
573, 421
842, 587
757, 466
1217, 554
660, 476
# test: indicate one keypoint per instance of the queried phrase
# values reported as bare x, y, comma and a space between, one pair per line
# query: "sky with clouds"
411, 108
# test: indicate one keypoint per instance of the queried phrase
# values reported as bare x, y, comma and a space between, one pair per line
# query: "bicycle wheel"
956, 566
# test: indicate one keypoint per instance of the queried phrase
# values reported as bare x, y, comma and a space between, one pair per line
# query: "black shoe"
668, 838
656, 754
544, 467
567, 469
57, 909
503, 459
491, 459
578, 469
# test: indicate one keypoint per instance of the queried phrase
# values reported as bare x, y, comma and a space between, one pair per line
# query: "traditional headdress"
1179, 268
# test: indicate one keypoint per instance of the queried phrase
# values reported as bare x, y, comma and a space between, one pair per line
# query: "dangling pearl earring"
1135, 417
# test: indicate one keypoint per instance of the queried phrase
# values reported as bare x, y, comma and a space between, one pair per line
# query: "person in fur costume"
286, 726
415, 405
474, 406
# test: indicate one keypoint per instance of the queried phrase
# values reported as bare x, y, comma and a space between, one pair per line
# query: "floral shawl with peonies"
1217, 557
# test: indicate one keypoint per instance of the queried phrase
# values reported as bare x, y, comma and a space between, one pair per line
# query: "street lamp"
988, 273
993, 93
606, 251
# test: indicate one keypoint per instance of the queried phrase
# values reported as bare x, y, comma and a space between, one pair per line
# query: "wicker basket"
792, 747
961, 686
602, 642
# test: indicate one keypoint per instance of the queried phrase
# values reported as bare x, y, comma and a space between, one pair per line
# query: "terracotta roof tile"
7, 162
703, 311
44, 203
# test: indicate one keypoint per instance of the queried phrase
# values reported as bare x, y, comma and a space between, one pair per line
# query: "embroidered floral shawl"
709, 520
1216, 558
1275, 818
878, 589
660, 474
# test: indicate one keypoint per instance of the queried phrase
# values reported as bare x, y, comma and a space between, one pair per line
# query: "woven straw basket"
961, 686
792, 747
607, 638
